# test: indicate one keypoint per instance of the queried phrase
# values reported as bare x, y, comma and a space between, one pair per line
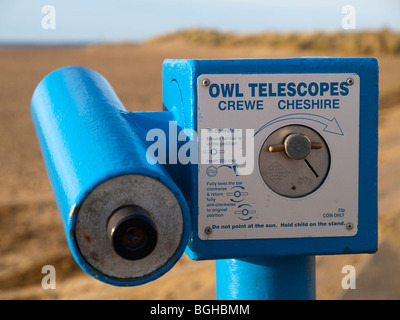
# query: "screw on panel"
350, 81
207, 230
206, 82
349, 226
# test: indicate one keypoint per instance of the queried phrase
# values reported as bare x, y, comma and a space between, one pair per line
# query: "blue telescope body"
87, 139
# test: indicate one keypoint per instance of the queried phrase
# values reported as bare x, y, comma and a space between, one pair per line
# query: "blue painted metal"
87, 137
180, 97
266, 278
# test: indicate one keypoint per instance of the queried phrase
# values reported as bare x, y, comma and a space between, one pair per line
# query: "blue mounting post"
266, 278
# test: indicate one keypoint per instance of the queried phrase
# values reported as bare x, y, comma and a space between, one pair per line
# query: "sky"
83, 21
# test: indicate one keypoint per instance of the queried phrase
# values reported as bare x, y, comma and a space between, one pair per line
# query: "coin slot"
311, 168
294, 161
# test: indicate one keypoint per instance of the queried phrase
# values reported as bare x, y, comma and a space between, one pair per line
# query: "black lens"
132, 233
134, 238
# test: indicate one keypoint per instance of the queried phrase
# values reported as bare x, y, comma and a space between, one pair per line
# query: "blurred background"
127, 41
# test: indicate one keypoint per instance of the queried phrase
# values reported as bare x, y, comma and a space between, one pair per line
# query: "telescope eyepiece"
132, 233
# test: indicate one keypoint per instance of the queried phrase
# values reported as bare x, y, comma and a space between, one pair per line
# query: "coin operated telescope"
298, 177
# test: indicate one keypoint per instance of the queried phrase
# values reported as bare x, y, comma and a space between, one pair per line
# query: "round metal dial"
294, 161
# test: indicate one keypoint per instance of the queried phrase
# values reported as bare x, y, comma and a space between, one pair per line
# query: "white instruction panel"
278, 155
